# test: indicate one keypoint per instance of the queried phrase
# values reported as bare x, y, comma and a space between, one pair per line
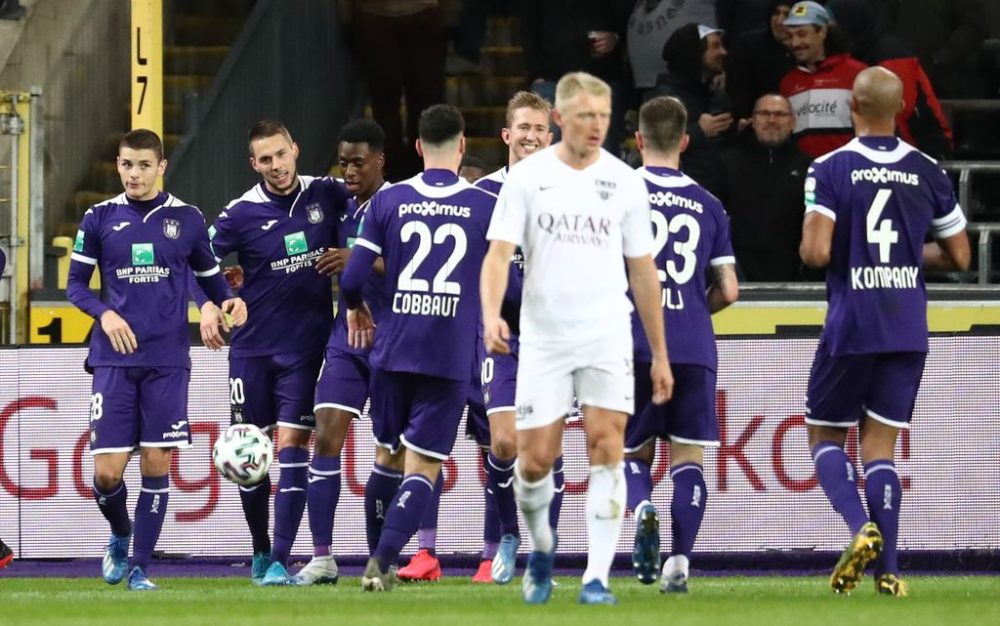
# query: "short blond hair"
576, 82
527, 100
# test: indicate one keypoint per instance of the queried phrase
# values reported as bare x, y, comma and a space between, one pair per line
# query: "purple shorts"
278, 388
688, 418
499, 378
843, 388
418, 411
343, 382
139, 407
477, 424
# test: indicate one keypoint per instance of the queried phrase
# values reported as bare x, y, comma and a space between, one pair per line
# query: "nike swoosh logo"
290, 489
269, 224
545, 187
120, 226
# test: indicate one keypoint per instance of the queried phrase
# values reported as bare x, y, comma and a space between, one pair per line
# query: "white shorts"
549, 374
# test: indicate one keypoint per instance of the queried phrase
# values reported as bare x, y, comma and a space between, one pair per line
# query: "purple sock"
383, 483
884, 494
491, 525
687, 506
427, 529
403, 517
500, 483
290, 501
638, 482
150, 511
112, 504
322, 495
256, 501
557, 497
837, 477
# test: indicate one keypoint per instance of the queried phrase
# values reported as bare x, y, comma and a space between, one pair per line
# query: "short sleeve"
510, 214
818, 193
637, 236
371, 231
87, 246
722, 244
948, 219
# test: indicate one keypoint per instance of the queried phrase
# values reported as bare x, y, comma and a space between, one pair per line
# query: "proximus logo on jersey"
668, 198
430, 208
884, 176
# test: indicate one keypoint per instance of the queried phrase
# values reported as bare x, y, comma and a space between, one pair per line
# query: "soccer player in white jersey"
575, 210
869, 208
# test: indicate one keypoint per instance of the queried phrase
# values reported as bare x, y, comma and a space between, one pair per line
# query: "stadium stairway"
197, 38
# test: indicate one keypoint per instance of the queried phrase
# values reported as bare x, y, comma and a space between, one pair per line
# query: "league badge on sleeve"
171, 228
314, 213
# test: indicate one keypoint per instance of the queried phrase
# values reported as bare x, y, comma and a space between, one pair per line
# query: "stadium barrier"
762, 492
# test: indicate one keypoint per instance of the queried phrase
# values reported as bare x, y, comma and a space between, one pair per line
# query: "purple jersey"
885, 196
510, 308
690, 234
145, 251
431, 231
278, 240
374, 290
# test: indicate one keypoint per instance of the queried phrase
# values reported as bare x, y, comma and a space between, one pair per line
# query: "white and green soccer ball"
243, 454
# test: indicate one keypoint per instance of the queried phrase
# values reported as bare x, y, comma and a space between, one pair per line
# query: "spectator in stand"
921, 123
650, 25
819, 88
946, 35
695, 76
761, 187
738, 17
563, 36
400, 46
760, 59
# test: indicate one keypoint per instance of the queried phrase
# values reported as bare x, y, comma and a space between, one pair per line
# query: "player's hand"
495, 336
236, 308
663, 381
122, 338
234, 276
333, 261
360, 327
212, 318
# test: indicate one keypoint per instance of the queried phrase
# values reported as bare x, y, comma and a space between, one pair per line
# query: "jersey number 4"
425, 240
687, 249
880, 232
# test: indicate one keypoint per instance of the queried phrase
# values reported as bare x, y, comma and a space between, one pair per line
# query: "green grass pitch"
769, 601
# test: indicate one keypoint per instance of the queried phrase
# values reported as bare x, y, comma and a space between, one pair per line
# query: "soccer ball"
243, 454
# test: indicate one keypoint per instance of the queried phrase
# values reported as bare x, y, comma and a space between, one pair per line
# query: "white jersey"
575, 227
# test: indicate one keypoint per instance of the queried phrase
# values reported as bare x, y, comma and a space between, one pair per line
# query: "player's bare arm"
492, 284
724, 289
948, 254
817, 238
333, 261
646, 291
119, 332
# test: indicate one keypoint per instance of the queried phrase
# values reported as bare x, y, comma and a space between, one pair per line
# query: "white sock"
534, 499
605, 508
677, 564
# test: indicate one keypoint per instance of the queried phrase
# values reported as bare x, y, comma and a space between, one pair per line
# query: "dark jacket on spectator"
762, 191
922, 122
683, 54
554, 36
757, 64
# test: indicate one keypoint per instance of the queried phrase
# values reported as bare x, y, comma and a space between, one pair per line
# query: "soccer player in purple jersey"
431, 232
342, 387
491, 405
279, 230
146, 243
576, 211
690, 240
869, 207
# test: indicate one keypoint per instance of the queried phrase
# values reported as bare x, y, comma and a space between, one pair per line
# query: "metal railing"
965, 170
985, 246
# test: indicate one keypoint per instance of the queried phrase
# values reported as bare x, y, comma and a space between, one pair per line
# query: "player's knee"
533, 468
504, 445
331, 432
644, 453
107, 479
386, 458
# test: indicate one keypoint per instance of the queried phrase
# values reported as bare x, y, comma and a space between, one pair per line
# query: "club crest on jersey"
314, 213
171, 228
604, 188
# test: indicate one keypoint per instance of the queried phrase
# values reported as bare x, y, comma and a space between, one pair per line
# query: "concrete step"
175, 87
471, 91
